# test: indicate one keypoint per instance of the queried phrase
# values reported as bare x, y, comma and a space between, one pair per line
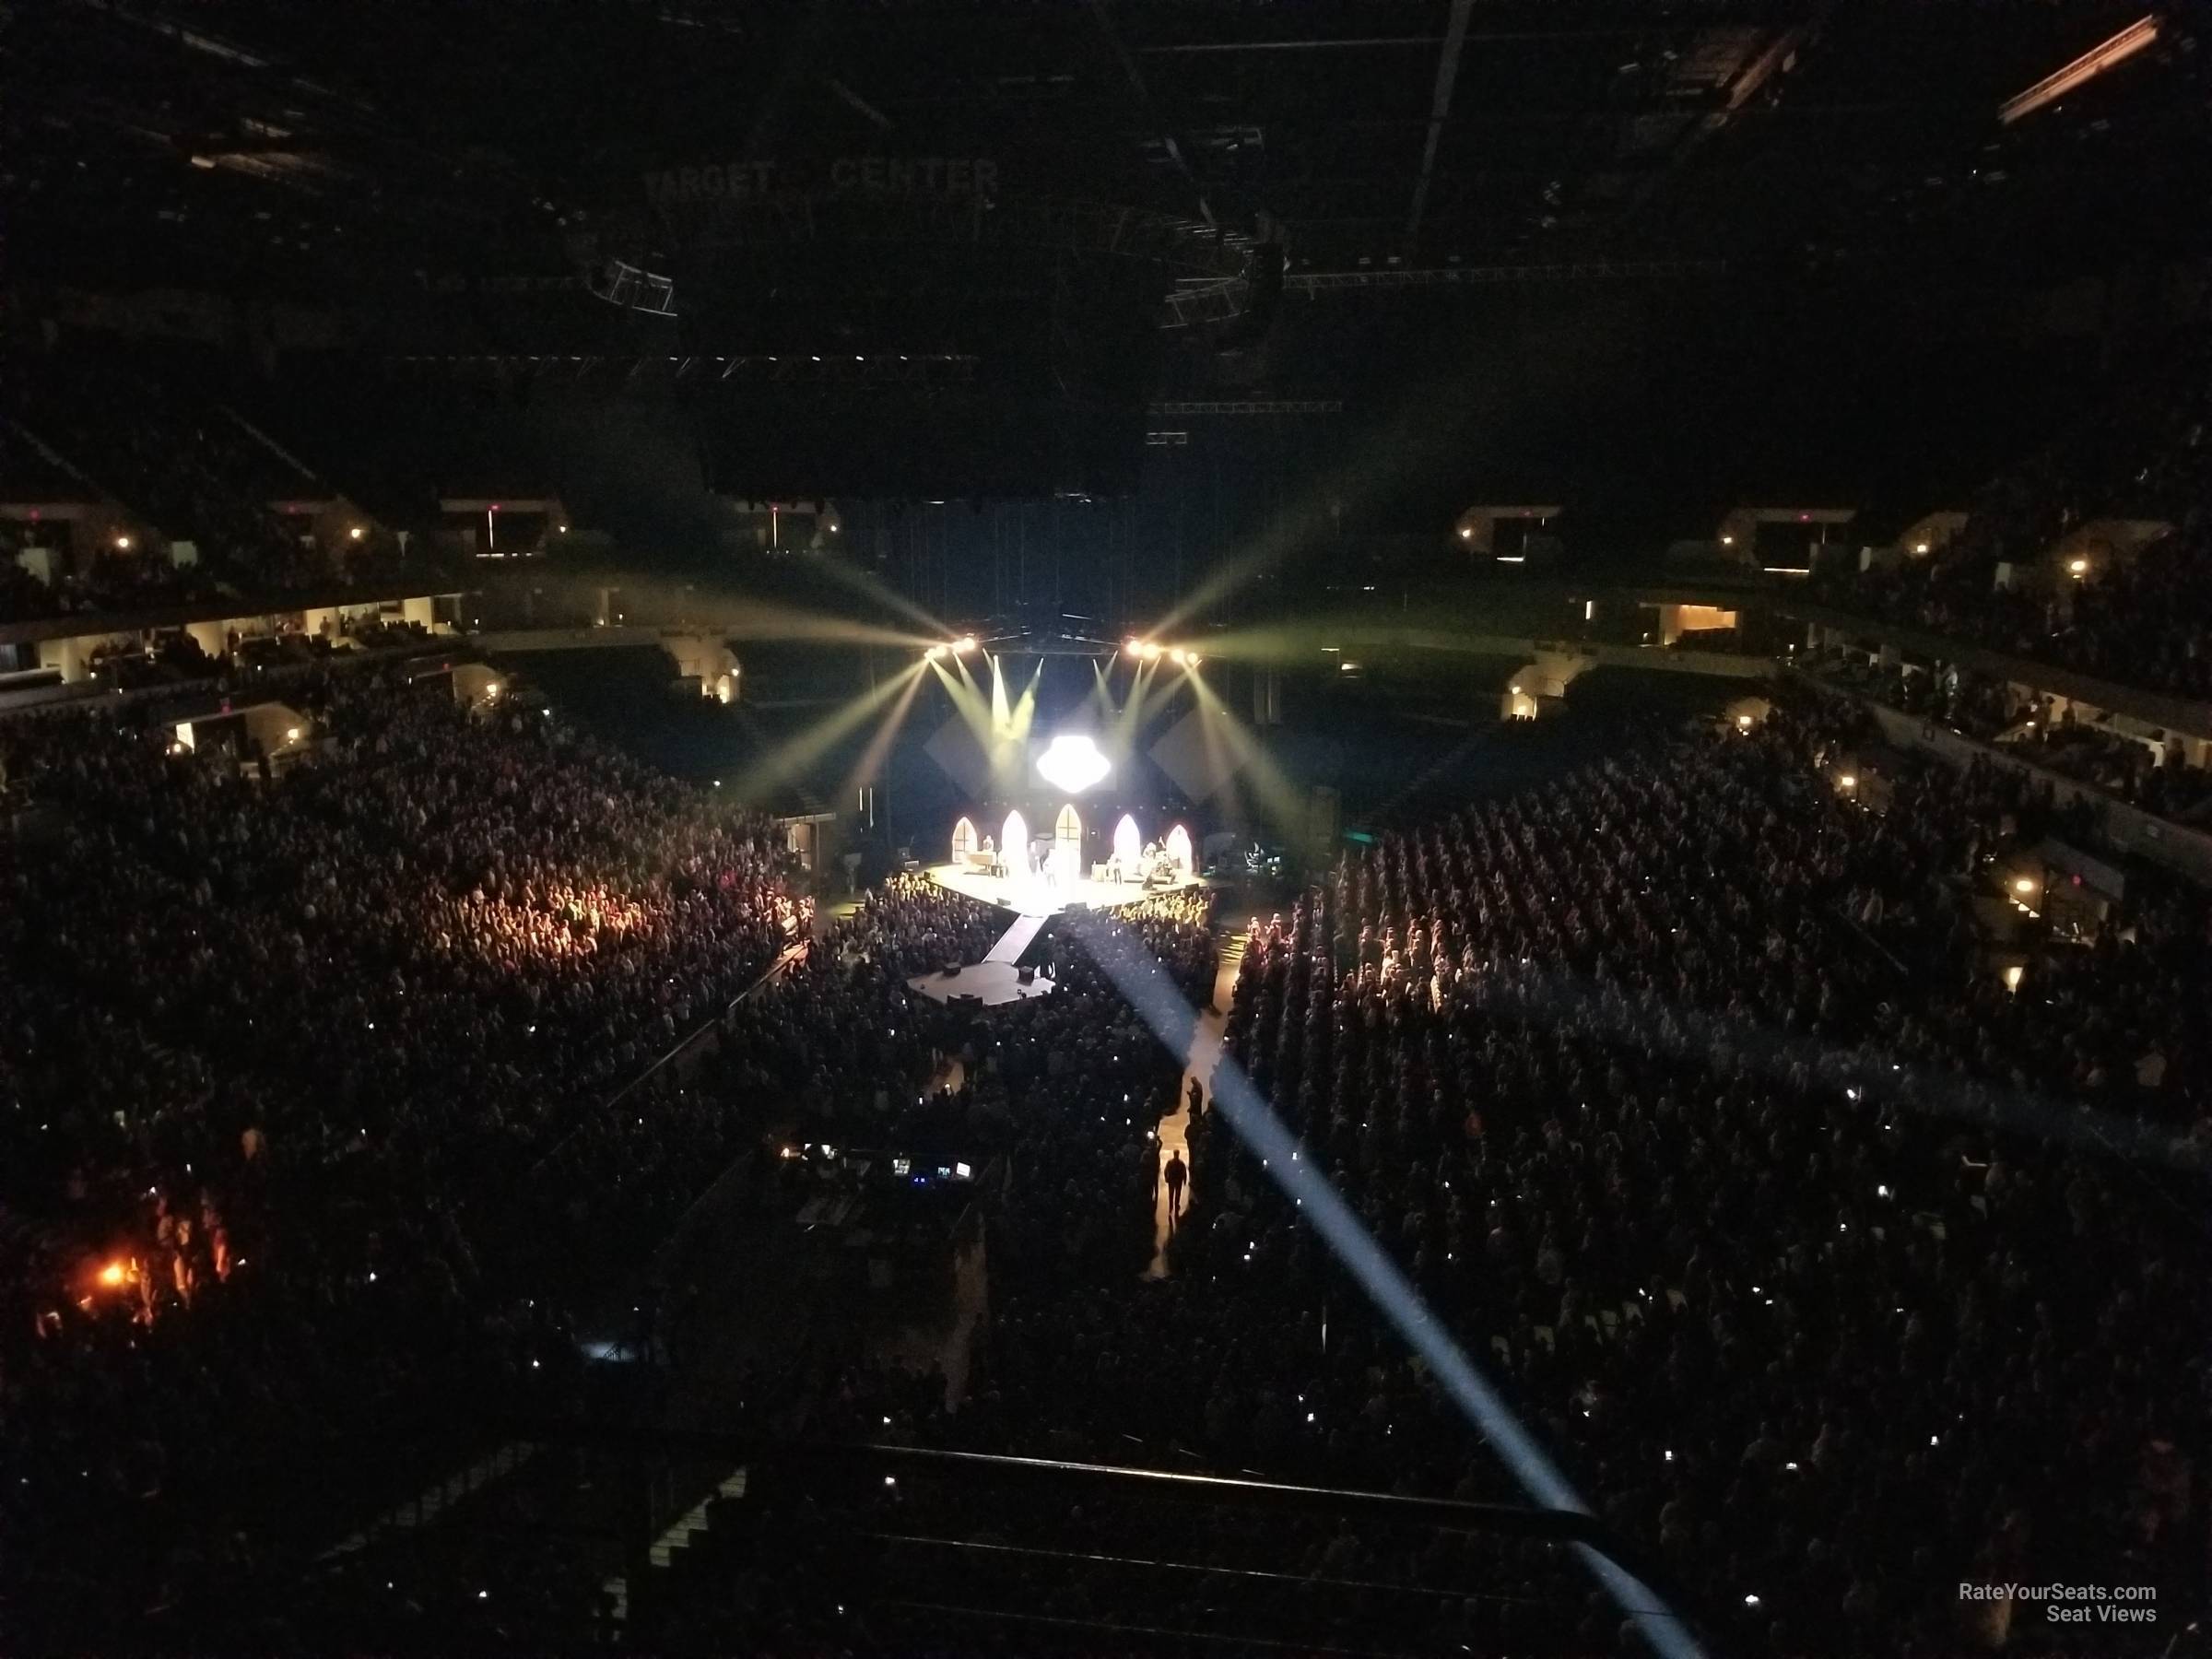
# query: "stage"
1028, 895
997, 979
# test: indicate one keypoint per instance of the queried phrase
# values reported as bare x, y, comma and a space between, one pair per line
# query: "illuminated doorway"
1067, 843
1178, 851
1128, 847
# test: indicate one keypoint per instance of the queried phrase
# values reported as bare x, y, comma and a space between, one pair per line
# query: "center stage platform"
1028, 895
997, 979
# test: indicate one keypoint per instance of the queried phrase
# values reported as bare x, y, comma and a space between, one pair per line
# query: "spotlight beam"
1161, 1006
1001, 716
1346, 491
758, 619
803, 749
1129, 720
867, 587
1276, 798
1012, 744
967, 696
735, 614
871, 760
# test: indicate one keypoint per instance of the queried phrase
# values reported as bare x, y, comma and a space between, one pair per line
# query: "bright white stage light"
1072, 761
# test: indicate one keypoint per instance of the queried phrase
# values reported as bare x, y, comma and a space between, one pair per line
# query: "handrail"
754, 1449
208, 693
1208, 1569
2189, 714
2182, 847
223, 609
697, 1035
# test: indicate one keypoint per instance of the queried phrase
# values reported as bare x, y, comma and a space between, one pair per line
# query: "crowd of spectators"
1753, 1229
1176, 928
303, 1077
1685, 1092
2156, 777
1684, 1087
115, 581
2141, 618
171, 458
2152, 772
912, 926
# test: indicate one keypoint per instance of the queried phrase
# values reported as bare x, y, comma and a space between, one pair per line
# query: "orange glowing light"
114, 1273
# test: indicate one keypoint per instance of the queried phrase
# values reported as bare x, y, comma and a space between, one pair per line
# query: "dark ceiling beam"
858, 102
1053, 115
1776, 57
1653, 26
1439, 109
1196, 46
1781, 54
1152, 118
1491, 275
2142, 32
808, 34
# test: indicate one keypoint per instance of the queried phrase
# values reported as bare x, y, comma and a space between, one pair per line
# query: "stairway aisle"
1205, 1055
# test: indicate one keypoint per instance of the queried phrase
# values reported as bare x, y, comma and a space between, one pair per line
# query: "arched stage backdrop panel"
1067, 843
1179, 849
1128, 842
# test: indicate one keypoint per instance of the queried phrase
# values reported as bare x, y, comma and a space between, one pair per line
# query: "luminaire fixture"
1072, 762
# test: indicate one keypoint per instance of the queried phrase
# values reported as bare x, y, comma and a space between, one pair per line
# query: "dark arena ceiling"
1039, 215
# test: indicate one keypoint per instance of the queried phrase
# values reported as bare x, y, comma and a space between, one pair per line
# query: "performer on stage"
991, 861
1160, 868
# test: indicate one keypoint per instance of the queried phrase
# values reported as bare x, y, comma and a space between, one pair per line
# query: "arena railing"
930, 1536
692, 1043
2159, 707
2185, 851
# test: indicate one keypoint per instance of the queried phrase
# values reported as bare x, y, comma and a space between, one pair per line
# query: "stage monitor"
1072, 762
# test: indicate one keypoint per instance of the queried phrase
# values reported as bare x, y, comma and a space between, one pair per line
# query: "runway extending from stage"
1032, 901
